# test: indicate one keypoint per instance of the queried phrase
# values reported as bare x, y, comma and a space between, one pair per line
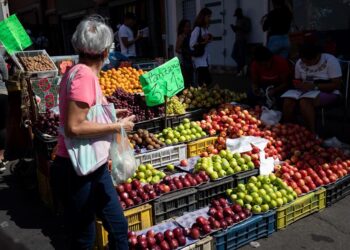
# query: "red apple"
194, 233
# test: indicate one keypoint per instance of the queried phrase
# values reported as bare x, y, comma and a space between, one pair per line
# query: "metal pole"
4, 9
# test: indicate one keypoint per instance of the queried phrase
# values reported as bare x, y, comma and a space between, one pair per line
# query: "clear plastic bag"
270, 117
123, 158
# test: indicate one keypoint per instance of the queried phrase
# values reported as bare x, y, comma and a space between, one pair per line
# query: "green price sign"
13, 36
165, 80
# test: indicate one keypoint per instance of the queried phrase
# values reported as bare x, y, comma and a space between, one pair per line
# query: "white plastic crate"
164, 156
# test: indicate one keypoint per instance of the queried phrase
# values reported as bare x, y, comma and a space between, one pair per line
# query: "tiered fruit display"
307, 178
175, 107
126, 78
221, 216
202, 97
136, 105
186, 131
262, 193
146, 173
134, 193
142, 139
231, 121
167, 240
224, 164
48, 123
172, 183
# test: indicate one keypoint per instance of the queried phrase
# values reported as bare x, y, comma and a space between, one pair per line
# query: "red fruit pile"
132, 194
221, 216
177, 183
167, 240
306, 178
231, 121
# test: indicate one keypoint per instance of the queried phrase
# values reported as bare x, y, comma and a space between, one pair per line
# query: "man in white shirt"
126, 36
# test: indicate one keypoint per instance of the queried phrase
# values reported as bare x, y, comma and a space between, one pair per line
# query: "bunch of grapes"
135, 104
48, 123
174, 106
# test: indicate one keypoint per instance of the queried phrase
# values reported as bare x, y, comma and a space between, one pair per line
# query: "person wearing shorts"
320, 77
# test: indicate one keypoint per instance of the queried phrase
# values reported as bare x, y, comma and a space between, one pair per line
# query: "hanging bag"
88, 154
198, 48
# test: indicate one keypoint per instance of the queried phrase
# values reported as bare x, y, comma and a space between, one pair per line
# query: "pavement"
24, 219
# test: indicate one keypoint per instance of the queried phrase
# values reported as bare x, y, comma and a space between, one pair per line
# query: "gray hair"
92, 36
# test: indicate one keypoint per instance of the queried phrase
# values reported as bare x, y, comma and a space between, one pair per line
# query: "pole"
166, 115
4, 10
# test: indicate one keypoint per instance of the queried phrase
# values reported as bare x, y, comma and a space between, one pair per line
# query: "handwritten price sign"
165, 80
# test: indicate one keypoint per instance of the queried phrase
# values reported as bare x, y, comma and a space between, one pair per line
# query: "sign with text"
13, 36
165, 80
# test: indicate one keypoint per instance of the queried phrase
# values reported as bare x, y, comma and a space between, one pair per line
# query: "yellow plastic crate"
139, 218
44, 189
197, 147
301, 207
204, 244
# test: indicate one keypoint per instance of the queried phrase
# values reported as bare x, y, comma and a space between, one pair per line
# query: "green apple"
260, 178
155, 179
217, 166
142, 168
248, 199
141, 175
255, 194
278, 194
283, 192
175, 141
230, 171
210, 170
257, 200
245, 167
248, 206
241, 195
203, 134
273, 204
241, 187
236, 155
240, 161
237, 169
148, 173
256, 209
289, 189
214, 176
273, 196
272, 177
240, 202
198, 135
182, 138
143, 181
247, 158
229, 155
187, 126
222, 173
234, 197
188, 138
168, 142
285, 200
265, 208
162, 174
251, 165
193, 130
129, 180
229, 191
223, 153
279, 202
199, 129
253, 179
186, 120
290, 197
149, 179
225, 163
266, 198
266, 181
170, 167
262, 192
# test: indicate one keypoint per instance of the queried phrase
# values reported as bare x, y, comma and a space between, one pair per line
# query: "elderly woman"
84, 197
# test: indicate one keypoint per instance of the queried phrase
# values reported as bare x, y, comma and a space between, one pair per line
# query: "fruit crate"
257, 227
174, 204
193, 115
300, 208
163, 156
153, 126
211, 190
138, 218
207, 243
338, 190
197, 147
243, 177
35, 74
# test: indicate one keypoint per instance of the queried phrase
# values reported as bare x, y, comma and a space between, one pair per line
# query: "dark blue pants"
84, 198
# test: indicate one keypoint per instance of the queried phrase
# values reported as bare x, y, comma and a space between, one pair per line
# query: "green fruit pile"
186, 131
175, 107
224, 164
262, 193
202, 97
146, 173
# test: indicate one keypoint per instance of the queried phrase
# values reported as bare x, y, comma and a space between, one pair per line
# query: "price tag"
13, 36
165, 80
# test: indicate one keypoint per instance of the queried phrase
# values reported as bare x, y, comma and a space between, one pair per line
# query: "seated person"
317, 80
270, 73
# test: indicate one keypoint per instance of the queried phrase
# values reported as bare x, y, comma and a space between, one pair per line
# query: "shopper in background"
3, 110
242, 30
315, 73
184, 51
277, 23
126, 36
85, 197
200, 38
270, 74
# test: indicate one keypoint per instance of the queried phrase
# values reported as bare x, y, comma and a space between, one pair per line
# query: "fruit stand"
190, 190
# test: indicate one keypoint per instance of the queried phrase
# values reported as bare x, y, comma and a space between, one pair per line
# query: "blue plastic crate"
259, 226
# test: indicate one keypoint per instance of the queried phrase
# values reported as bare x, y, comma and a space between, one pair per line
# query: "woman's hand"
127, 123
120, 113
